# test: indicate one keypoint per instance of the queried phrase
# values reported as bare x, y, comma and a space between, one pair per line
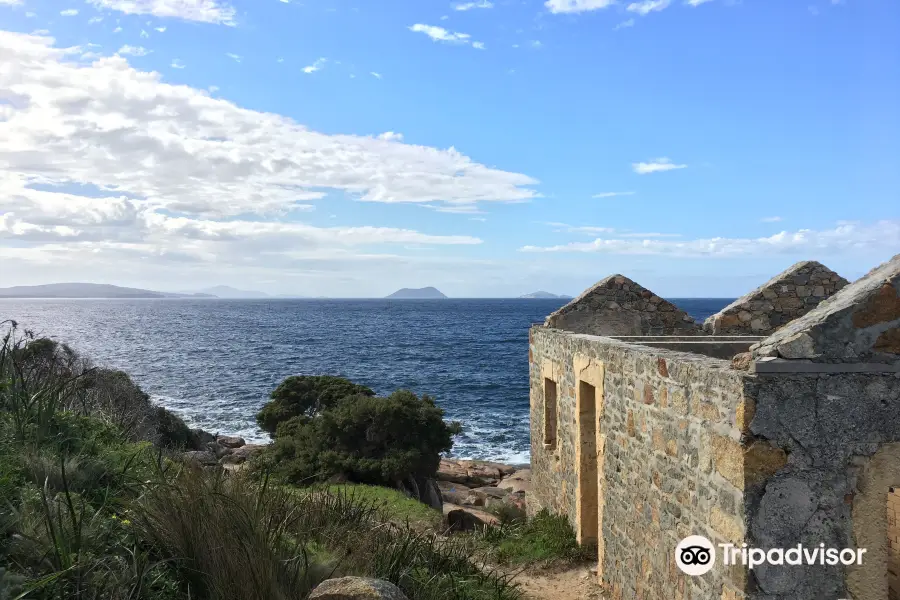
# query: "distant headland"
426, 293
87, 290
546, 295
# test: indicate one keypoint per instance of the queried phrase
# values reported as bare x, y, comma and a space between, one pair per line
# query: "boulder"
356, 588
424, 490
463, 518
242, 454
472, 472
228, 441
492, 492
520, 481
234, 467
200, 438
449, 486
200, 458
216, 449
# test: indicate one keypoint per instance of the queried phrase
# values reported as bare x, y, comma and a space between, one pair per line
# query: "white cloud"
478, 45
771, 219
234, 57
10, 2
613, 194
471, 5
845, 237
69, 12
117, 30
206, 11
439, 34
177, 64
144, 34
697, 2
391, 136
376, 75
655, 165
624, 24
316, 66
93, 20
577, 6
109, 171
536, 44
122, 131
133, 50
161, 29
647, 6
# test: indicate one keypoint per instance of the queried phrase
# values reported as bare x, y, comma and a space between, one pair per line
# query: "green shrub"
365, 439
306, 395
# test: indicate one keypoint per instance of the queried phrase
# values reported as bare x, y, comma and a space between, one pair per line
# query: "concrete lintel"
775, 366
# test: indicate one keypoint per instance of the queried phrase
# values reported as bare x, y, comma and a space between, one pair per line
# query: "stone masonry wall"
617, 305
780, 300
859, 324
840, 432
672, 461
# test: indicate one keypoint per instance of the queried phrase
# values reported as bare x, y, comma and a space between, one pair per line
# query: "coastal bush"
365, 439
306, 395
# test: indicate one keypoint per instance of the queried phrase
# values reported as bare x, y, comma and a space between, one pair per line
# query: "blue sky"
336, 147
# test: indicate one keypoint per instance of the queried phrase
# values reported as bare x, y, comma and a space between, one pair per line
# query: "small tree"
365, 439
306, 395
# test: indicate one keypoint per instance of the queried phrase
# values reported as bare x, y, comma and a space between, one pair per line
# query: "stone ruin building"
645, 429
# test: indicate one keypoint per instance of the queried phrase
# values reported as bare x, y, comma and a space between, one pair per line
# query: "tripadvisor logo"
696, 555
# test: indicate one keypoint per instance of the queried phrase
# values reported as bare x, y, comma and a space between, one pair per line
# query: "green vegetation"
546, 538
306, 395
358, 438
398, 506
95, 505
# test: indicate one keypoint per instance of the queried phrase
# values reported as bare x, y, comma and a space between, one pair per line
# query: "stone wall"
669, 452
782, 299
860, 324
840, 432
618, 306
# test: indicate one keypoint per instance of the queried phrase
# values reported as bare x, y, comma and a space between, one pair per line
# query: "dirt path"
579, 583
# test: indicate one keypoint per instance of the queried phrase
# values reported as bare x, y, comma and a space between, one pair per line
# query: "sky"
348, 148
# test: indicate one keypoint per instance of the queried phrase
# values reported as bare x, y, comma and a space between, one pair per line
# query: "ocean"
215, 361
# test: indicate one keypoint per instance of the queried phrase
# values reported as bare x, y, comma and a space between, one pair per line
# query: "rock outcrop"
785, 297
619, 306
357, 588
227, 452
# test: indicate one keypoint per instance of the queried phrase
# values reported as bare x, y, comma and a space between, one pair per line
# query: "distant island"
224, 291
87, 290
545, 295
426, 293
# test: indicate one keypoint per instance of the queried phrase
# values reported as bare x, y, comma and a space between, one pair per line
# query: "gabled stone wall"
780, 300
860, 324
617, 305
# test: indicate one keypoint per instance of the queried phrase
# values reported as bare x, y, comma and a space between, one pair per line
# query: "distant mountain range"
545, 295
87, 290
426, 293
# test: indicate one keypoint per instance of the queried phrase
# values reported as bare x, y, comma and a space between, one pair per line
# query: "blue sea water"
216, 361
